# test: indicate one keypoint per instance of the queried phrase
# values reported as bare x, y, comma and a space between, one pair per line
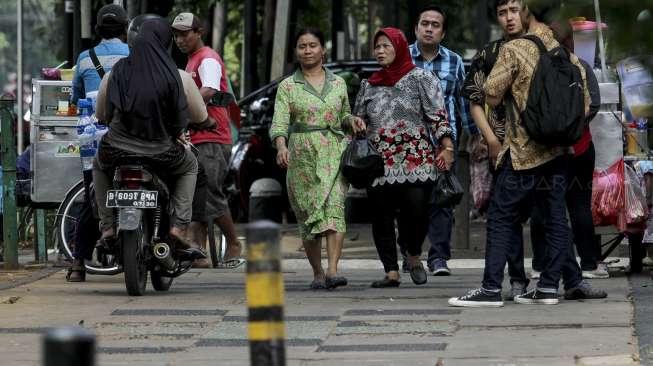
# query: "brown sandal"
77, 271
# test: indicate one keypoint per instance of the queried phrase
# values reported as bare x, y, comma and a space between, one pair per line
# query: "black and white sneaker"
516, 289
534, 296
478, 298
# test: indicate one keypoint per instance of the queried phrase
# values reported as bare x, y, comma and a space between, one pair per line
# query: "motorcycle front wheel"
134, 260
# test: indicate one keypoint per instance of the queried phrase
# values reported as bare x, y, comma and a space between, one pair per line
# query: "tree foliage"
42, 33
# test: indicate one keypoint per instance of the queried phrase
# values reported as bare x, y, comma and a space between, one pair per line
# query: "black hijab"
145, 87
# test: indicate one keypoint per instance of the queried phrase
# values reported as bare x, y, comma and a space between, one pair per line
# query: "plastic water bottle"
642, 135
99, 132
86, 134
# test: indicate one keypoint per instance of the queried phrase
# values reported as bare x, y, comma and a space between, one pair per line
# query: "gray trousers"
183, 172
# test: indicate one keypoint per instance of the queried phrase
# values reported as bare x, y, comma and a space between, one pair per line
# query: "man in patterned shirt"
429, 54
492, 122
526, 170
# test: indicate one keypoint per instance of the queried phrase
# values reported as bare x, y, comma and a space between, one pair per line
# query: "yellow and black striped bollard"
265, 295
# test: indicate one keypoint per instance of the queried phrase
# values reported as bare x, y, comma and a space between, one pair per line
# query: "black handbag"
361, 163
448, 192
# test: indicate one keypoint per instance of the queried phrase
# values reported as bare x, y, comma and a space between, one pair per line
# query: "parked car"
256, 185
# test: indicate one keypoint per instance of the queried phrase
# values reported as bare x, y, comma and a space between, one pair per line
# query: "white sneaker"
535, 275
600, 272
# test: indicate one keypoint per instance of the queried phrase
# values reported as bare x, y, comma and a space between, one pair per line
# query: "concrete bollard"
69, 346
265, 295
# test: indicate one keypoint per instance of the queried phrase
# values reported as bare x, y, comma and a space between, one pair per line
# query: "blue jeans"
579, 206
545, 187
441, 221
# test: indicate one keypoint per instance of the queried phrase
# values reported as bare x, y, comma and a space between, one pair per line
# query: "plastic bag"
448, 191
636, 205
361, 163
481, 184
608, 196
481, 178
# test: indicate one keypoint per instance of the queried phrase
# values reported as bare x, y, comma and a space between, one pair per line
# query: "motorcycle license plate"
132, 198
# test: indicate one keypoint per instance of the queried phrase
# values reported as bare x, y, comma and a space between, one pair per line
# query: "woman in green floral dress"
306, 129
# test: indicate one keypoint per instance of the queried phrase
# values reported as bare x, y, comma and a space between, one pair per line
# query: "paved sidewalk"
202, 321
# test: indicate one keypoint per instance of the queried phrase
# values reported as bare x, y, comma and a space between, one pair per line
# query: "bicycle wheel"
67, 221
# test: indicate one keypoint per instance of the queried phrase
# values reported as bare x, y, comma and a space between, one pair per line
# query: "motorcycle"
142, 202
253, 160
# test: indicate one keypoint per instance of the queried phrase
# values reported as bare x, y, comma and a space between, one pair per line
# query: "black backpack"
555, 110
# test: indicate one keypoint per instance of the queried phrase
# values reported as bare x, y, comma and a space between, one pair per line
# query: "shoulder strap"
537, 41
96, 62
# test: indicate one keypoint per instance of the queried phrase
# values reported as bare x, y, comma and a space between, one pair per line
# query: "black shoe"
584, 291
516, 289
333, 282
418, 274
535, 296
478, 298
386, 282
190, 254
317, 285
405, 267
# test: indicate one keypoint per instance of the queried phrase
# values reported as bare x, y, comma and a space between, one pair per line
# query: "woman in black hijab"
147, 112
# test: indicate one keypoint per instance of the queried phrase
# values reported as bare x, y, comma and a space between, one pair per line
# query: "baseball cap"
186, 21
112, 15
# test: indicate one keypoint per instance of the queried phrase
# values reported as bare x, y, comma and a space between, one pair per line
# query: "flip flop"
233, 263
318, 285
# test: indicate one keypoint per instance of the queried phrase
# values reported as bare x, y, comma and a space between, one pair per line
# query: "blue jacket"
86, 79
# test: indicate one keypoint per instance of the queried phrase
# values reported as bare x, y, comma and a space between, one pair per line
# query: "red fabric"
222, 132
234, 113
402, 64
584, 143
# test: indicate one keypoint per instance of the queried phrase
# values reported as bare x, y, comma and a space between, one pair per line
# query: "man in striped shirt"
112, 27
428, 53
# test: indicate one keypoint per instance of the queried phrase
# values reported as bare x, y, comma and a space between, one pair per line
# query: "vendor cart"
55, 165
610, 141
614, 146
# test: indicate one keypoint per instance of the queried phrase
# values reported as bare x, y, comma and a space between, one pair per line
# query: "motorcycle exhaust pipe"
163, 254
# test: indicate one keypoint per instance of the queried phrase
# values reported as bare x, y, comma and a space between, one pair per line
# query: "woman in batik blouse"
310, 107
403, 108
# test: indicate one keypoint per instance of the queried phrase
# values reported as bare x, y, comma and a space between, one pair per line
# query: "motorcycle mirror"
259, 105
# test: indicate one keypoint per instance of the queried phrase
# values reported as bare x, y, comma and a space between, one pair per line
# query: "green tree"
42, 37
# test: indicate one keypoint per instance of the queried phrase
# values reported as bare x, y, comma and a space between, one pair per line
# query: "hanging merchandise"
636, 205
637, 85
608, 196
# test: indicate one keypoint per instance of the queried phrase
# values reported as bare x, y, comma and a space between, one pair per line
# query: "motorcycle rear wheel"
134, 243
159, 281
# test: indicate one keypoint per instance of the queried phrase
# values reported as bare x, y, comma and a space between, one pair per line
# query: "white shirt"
210, 73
